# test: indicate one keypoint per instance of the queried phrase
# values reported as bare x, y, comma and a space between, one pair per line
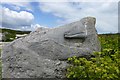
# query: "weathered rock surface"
43, 53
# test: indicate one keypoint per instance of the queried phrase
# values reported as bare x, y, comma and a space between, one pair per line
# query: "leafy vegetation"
104, 66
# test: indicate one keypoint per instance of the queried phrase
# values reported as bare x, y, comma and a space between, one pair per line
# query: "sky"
29, 15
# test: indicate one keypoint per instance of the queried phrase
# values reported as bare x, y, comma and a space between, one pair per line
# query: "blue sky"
31, 15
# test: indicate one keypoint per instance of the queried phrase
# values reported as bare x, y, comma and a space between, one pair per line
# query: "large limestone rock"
43, 53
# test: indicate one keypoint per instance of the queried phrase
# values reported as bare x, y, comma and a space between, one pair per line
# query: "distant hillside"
9, 34
2, 30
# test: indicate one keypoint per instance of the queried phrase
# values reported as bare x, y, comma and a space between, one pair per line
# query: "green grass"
109, 41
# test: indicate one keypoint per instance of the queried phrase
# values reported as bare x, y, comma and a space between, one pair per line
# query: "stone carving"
43, 53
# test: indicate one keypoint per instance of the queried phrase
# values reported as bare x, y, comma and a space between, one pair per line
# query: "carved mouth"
75, 36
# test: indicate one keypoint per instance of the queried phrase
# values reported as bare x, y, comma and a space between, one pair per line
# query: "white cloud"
106, 13
17, 4
35, 26
0, 16
13, 19
17, 19
77, 0
15, 7
32, 27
